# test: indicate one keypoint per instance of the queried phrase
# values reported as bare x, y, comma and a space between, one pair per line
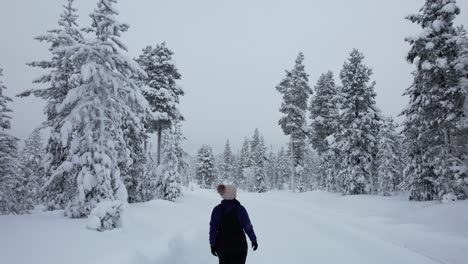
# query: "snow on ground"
314, 227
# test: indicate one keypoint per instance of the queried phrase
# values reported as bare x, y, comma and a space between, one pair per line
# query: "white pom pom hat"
227, 192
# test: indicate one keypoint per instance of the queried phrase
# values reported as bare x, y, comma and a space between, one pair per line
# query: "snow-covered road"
304, 228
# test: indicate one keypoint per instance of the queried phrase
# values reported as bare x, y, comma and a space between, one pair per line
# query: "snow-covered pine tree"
31, 164
359, 120
243, 164
433, 129
168, 170
161, 89
13, 192
136, 178
284, 169
389, 160
330, 164
461, 66
133, 170
324, 113
205, 167
151, 182
104, 102
226, 167
311, 170
58, 82
237, 173
271, 170
182, 156
296, 91
258, 158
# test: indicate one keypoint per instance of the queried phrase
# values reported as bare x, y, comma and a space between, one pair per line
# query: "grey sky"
231, 54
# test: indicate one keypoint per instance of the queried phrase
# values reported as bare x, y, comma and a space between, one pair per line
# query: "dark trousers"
232, 259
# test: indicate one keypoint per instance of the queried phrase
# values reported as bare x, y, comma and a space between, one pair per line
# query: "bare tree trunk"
158, 154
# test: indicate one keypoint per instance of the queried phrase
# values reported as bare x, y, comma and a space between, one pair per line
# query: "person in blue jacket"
228, 226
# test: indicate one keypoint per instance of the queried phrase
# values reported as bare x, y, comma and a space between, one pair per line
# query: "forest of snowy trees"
94, 153
101, 108
347, 145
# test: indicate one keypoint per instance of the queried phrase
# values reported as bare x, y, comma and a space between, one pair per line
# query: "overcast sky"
231, 54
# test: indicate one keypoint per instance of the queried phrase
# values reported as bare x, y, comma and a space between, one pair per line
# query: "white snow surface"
438, 25
314, 227
450, 8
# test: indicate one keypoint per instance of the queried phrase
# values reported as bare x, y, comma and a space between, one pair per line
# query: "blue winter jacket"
217, 214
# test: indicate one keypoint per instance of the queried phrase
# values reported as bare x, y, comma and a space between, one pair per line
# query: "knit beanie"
227, 192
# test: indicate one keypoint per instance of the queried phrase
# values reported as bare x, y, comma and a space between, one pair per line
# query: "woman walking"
228, 226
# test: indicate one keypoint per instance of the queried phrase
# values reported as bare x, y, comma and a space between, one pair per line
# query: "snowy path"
292, 228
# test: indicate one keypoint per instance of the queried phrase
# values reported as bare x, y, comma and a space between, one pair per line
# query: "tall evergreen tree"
311, 175
284, 169
258, 158
434, 116
243, 163
296, 91
226, 172
31, 164
161, 89
96, 111
168, 169
13, 194
357, 139
271, 170
237, 173
260, 173
182, 156
462, 67
58, 81
324, 113
108, 103
330, 165
205, 167
133, 169
389, 160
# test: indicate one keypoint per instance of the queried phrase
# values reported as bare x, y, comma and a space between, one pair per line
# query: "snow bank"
315, 227
106, 215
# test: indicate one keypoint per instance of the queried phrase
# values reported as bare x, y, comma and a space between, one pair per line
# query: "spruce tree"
433, 119
271, 170
324, 113
357, 139
151, 183
31, 164
389, 159
58, 81
296, 91
161, 89
133, 169
244, 163
182, 156
260, 173
205, 167
462, 67
237, 173
168, 169
258, 157
311, 175
109, 102
13, 193
226, 172
95, 113
284, 169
